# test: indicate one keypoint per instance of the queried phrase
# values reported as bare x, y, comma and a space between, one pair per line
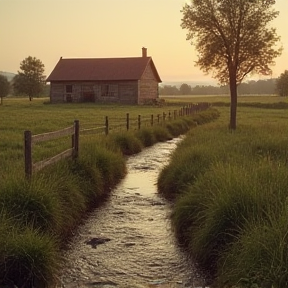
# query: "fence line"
29, 140
75, 131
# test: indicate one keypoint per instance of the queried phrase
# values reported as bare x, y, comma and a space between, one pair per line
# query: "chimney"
144, 52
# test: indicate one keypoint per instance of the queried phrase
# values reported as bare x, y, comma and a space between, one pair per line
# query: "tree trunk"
233, 103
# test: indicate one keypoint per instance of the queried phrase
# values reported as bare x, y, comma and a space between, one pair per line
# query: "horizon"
49, 29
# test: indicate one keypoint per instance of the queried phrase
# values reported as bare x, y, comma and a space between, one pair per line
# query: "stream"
128, 241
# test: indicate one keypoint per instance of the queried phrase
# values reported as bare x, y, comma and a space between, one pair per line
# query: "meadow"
229, 191
38, 215
19, 114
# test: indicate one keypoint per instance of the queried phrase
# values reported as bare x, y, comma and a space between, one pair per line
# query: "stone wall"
148, 86
125, 92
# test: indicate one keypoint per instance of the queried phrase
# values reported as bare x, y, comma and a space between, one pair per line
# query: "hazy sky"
49, 29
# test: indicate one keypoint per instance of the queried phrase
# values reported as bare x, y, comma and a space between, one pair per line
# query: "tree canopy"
282, 84
233, 39
30, 80
4, 87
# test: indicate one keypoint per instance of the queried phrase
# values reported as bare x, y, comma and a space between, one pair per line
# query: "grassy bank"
230, 194
38, 216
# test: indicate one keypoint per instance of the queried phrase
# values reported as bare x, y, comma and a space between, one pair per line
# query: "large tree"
4, 87
282, 84
233, 38
30, 80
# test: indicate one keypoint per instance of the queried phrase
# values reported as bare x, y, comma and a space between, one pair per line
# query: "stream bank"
128, 241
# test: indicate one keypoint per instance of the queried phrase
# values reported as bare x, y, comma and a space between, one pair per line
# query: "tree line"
30, 81
260, 87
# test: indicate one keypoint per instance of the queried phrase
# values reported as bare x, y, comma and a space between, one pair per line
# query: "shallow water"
128, 242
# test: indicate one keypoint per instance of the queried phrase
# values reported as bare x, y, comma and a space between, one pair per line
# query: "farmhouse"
132, 80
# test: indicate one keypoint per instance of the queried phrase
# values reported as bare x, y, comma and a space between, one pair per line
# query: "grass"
230, 194
18, 115
38, 216
42, 213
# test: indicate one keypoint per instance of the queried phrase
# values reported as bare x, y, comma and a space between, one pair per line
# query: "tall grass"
38, 216
230, 193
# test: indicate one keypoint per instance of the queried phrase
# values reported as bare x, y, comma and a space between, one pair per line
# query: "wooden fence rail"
75, 131
30, 139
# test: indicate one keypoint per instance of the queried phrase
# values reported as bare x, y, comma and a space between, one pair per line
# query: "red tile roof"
99, 69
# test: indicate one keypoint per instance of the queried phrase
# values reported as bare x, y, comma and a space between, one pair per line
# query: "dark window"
68, 88
109, 90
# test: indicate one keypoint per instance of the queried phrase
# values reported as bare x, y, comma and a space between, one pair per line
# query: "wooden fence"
29, 140
109, 124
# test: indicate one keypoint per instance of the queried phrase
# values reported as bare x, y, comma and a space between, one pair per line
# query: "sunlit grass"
231, 197
19, 114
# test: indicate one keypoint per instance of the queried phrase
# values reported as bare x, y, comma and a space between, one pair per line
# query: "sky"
50, 29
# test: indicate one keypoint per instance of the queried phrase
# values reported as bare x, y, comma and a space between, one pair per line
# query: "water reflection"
128, 242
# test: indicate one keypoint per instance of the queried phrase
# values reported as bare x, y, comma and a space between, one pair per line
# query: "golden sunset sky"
49, 29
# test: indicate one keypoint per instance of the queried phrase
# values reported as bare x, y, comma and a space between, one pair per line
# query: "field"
37, 215
18, 115
230, 194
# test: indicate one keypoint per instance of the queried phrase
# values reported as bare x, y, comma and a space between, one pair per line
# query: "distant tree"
185, 89
4, 87
30, 80
282, 84
168, 90
233, 39
261, 87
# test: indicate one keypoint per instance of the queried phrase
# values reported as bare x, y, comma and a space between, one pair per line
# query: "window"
68, 88
109, 90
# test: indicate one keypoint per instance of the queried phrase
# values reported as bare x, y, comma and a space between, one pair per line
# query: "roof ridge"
91, 58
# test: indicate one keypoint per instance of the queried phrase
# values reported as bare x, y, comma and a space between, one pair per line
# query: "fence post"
28, 153
164, 117
106, 125
152, 120
76, 139
127, 121
158, 118
169, 115
175, 111
139, 122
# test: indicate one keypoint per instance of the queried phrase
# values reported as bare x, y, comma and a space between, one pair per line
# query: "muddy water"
128, 242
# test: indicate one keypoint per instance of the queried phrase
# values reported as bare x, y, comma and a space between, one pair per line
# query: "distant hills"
9, 75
